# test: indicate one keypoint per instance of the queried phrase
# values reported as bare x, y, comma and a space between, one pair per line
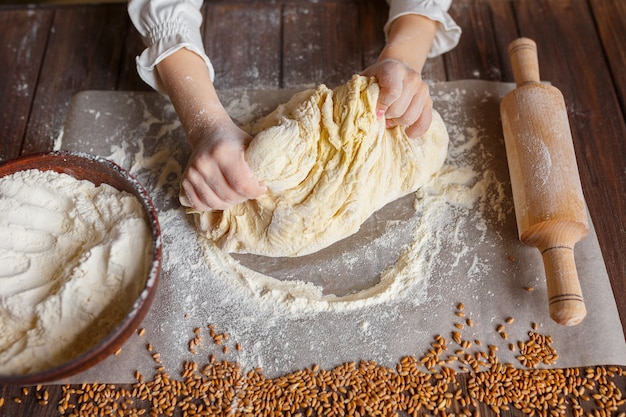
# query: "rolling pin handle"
524, 60
565, 299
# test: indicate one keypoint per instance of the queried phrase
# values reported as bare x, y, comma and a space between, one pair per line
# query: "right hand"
404, 97
217, 175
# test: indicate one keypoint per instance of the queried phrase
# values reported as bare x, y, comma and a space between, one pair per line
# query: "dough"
328, 163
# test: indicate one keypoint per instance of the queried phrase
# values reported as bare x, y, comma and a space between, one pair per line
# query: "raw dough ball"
329, 163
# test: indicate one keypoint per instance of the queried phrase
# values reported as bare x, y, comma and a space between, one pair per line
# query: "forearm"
409, 40
188, 84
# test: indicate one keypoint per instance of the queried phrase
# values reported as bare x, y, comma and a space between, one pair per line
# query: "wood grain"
22, 44
243, 43
502, 19
128, 79
321, 44
372, 18
83, 52
477, 56
611, 26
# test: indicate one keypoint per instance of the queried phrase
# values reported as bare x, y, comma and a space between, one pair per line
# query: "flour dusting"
381, 275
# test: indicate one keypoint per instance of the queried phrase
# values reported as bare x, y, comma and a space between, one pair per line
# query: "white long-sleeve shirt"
169, 25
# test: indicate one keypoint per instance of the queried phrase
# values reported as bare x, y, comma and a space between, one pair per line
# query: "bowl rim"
120, 334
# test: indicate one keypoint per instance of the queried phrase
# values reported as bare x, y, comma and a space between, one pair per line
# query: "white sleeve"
165, 27
448, 33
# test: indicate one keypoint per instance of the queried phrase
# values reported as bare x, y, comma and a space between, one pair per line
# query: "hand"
404, 98
217, 174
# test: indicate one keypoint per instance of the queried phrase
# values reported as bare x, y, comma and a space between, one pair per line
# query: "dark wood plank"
477, 56
611, 24
243, 43
29, 405
505, 30
434, 70
372, 18
571, 57
22, 43
128, 78
322, 44
83, 53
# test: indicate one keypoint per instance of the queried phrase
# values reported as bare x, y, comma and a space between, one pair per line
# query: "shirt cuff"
156, 53
448, 32
166, 26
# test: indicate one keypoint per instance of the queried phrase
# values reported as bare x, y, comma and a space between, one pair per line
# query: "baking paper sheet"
479, 260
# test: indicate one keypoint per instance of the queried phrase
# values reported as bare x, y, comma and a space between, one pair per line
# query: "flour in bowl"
73, 259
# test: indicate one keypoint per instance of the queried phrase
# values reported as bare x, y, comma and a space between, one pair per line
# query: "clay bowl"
97, 170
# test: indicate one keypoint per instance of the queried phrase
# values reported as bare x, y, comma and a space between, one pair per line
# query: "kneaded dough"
329, 163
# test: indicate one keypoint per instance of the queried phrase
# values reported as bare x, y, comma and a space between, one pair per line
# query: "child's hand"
404, 97
217, 174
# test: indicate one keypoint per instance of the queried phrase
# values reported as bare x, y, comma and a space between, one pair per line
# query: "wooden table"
49, 53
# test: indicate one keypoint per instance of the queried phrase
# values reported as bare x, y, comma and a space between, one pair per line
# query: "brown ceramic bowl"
97, 170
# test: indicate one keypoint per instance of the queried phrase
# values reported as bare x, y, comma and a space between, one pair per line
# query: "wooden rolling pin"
549, 203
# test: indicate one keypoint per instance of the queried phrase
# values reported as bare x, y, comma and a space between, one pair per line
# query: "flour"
73, 259
349, 301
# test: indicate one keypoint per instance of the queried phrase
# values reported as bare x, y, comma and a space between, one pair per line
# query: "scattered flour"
456, 189
359, 293
73, 259
458, 195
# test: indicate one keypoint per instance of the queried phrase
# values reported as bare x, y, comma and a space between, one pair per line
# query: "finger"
218, 194
390, 92
209, 190
192, 199
398, 113
244, 182
419, 103
421, 125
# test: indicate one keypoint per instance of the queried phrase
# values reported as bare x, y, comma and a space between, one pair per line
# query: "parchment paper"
487, 271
